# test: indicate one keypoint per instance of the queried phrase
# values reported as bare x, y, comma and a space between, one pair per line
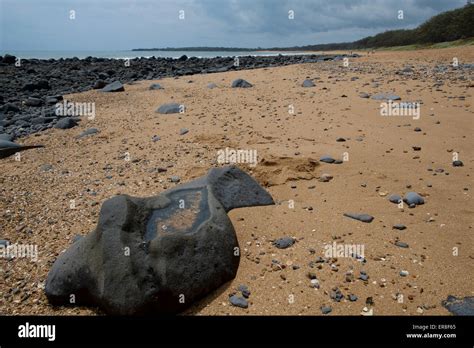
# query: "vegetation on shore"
447, 29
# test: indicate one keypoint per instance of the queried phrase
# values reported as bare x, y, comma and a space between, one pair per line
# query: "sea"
128, 54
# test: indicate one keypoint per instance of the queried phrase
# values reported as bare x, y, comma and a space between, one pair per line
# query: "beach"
50, 195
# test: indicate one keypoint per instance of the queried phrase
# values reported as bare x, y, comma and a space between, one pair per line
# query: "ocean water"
136, 54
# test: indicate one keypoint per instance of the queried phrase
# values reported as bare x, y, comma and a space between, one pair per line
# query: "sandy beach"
53, 194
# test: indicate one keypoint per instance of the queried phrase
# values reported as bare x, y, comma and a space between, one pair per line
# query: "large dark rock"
459, 306
158, 254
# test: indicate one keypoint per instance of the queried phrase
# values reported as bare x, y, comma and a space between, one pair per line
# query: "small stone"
284, 242
87, 132
307, 83
244, 290
46, 167
325, 178
238, 301
399, 227
175, 179
395, 199
361, 217
404, 273
327, 159
115, 86
417, 129
458, 164
240, 83
352, 298
170, 108
340, 140
65, 123
326, 309
413, 199
401, 244
183, 131
155, 86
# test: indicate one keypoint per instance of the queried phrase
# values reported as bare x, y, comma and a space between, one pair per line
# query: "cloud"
126, 24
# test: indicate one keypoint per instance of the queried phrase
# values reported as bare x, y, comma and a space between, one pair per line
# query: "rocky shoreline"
30, 88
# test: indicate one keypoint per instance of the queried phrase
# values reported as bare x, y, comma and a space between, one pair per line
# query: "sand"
35, 203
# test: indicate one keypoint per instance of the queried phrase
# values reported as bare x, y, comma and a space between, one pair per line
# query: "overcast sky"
127, 24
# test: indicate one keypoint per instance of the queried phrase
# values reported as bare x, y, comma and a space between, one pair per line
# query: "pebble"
87, 132
352, 298
283, 243
115, 86
314, 283
155, 86
308, 83
175, 179
240, 83
325, 178
170, 108
399, 227
65, 123
401, 244
404, 273
363, 276
361, 217
238, 301
327, 159
326, 309
211, 85
413, 199
46, 167
183, 131
336, 295
156, 138
458, 164
417, 129
385, 96
340, 140
244, 290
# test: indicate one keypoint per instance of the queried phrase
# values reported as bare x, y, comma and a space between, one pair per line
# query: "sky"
100, 25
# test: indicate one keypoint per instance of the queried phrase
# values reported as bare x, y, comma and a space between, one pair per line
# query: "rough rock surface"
158, 254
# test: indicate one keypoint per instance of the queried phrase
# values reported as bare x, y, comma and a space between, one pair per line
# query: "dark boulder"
158, 254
